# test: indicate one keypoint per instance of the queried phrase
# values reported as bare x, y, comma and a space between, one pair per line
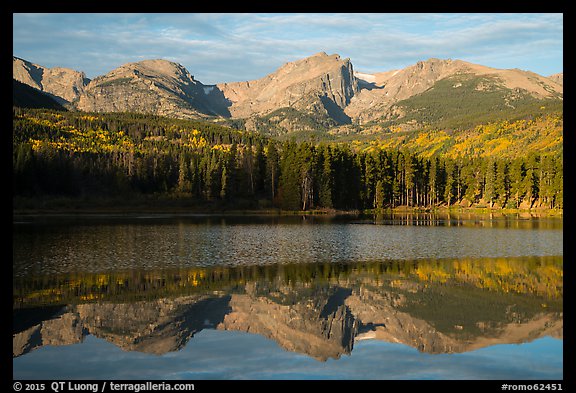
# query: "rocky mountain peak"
390, 87
149, 86
320, 82
62, 84
25, 72
157, 68
313, 65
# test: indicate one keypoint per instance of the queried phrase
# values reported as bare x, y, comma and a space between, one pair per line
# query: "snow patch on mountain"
365, 77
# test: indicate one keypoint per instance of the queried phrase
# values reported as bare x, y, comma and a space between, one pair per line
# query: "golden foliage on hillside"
496, 139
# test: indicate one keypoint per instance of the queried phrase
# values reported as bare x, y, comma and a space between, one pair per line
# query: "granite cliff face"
62, 84
319, 84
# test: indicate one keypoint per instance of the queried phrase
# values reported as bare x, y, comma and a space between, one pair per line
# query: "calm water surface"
389, 297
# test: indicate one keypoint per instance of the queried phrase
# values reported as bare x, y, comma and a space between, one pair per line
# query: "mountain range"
318, 93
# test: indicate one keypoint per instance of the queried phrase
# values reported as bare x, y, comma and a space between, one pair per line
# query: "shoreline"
72, 207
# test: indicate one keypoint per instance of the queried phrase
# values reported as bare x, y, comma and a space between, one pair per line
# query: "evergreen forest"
128, 156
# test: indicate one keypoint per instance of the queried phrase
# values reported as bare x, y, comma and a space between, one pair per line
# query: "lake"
403, 296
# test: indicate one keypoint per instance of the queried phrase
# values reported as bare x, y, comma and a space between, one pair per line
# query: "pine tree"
451, 182
290, 178
379, 195
184, 183
490, 186
272, 170
558, 183
399, 175
260, 172
233, 171
369, 177
531, 185
387, 176
327, 178
306, 161
517, 175
409, 178
224, 184
503, 182
195, 177
550, 180
433, 181
23, 170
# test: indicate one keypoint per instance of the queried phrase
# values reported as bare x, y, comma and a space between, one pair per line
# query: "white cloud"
229, 47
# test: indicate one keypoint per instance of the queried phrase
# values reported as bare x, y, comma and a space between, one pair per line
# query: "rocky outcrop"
151, 86
63, 84
319, 82
557, 78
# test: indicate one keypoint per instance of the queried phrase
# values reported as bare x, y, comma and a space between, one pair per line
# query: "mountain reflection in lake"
326, 312
321, 310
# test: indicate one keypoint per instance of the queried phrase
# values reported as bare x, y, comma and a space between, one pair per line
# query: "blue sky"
236, 47
214, 354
